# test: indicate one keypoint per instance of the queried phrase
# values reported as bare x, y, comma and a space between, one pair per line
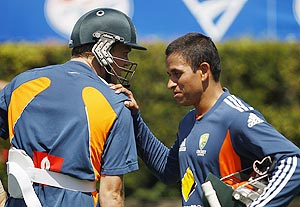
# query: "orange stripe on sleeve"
21, 97
101, 117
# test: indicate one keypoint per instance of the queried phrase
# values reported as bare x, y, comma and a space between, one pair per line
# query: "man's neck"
208, 99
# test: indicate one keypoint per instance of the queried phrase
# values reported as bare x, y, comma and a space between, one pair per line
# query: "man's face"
183, 81
120, 53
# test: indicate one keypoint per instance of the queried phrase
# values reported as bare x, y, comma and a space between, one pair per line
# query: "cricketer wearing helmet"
68, 130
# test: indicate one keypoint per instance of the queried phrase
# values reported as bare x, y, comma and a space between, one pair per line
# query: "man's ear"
204, 68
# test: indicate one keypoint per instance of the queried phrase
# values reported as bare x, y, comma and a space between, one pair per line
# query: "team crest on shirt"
202, 142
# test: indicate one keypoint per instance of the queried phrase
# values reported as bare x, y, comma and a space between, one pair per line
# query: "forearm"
111, 191
111, 200
162, 161
284, 184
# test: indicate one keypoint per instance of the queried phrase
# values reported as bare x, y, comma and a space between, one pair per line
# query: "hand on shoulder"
132, 104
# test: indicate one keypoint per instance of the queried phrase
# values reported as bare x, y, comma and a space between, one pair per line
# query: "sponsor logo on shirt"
188, 184
202, 142
253, 120
46, 161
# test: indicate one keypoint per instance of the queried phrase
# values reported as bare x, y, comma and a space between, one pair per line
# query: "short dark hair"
83, 49
196, 48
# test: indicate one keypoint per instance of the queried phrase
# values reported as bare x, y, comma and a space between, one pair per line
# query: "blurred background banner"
52, 20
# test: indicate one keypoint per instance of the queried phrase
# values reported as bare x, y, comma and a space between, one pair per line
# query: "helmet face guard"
112, 65
126, 72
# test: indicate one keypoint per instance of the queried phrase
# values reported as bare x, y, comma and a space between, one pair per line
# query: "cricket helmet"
104, 20
104, 27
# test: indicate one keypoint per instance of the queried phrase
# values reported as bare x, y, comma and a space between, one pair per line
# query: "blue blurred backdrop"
52, 20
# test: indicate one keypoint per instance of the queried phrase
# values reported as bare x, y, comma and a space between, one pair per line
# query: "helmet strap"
107, 75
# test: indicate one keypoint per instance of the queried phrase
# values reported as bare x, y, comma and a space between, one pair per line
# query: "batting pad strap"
60, 180
22, 174
20, 186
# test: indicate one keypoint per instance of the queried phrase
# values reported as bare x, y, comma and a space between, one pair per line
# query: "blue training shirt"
68, 121
225, 140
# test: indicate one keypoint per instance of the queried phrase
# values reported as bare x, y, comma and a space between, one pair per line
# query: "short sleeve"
120, 154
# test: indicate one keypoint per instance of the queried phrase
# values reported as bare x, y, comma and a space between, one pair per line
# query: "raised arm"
162, 161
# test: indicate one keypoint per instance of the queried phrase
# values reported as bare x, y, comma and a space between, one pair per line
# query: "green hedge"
265, 74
